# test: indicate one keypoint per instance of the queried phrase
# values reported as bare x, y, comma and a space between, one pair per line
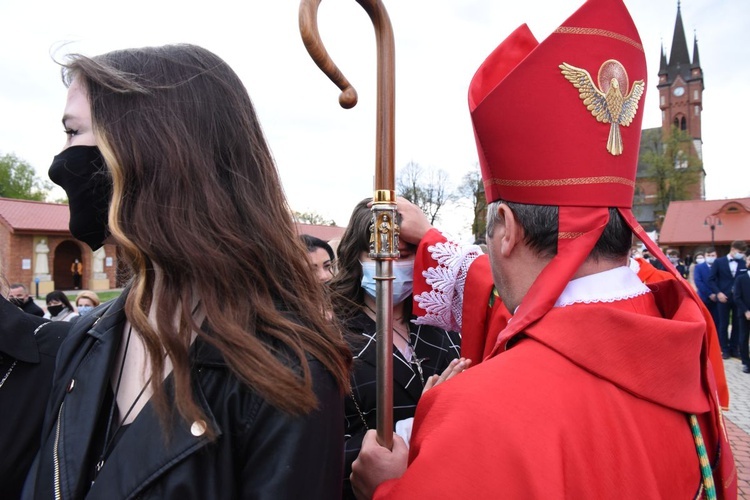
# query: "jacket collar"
16, 337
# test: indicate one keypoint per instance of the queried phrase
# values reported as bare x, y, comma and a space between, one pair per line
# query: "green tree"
18, 180
313, 218
674, 168
472, 189
427, 188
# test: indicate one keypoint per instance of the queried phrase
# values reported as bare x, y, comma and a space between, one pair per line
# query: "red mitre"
559, 123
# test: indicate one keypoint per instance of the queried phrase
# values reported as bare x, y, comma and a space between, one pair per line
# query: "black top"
30, 307
24, 394
434, 349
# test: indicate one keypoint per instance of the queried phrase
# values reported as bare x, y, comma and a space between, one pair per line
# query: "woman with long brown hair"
216, 374
422, 355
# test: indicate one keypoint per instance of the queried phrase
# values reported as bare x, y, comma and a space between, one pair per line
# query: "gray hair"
540, 225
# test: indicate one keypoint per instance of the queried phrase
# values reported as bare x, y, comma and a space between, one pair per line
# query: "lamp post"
712, 221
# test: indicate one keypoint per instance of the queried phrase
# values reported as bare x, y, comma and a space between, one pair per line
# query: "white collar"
620, 283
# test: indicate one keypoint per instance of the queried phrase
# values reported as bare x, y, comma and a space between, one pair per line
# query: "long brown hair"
196, 193
347, 294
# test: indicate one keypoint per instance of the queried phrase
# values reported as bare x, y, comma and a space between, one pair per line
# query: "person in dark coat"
216, 374
28, 346
701, 276
742, 299
19, 296
721, 281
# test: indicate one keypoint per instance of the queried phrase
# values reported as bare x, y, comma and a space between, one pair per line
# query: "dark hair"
347, 295
196, 194
19, 285
540, 226
739, 245
58, 295
312, 243
710, 250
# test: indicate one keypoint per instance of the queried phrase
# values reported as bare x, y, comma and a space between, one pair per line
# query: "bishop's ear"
504, 230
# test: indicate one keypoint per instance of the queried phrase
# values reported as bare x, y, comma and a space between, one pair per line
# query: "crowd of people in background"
720, 283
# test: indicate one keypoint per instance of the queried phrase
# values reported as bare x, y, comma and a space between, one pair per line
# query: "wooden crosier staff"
384, 239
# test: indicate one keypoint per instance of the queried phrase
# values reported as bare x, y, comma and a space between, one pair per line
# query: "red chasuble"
592, 401
572, 410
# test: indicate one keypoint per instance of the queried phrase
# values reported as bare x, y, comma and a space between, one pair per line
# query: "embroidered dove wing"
611, 107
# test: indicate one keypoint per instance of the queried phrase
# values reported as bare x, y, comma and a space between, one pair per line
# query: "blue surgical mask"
403, 279
84, 309
739, 256
710, 260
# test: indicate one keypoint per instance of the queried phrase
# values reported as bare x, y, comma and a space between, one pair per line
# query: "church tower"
681, 86
681, 91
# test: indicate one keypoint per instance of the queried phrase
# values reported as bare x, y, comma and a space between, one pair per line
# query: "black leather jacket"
260, 452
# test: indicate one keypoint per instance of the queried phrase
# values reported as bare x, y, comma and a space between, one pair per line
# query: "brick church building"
681, 102
36, 247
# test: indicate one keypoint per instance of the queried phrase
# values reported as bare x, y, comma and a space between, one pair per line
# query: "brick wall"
14, 248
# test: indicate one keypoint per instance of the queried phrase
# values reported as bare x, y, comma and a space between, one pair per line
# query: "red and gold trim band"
571, 181
566, 235
571, 30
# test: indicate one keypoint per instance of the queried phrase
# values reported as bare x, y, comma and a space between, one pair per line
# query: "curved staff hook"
384, 238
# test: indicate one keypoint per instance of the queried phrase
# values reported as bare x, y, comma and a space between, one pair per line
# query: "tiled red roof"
325, 233
685, 222
24, 215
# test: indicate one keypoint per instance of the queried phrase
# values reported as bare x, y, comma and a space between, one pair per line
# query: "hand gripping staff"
384, 238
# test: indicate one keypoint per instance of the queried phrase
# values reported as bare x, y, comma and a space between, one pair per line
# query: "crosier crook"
384, 240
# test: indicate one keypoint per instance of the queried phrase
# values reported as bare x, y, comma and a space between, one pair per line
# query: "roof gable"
688, 223
34, 216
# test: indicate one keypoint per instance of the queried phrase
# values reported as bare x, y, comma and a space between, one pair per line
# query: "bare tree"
427, 188
472, 189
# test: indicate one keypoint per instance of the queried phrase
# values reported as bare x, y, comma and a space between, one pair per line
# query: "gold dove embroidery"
606, 102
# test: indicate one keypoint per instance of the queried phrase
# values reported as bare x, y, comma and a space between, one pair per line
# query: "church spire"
663, 61
696, 59
679, 59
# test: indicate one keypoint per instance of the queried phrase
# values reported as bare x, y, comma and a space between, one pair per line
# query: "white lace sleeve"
443, 304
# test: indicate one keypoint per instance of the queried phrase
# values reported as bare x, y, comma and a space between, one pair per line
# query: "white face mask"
403, 279
710, 260
700, 260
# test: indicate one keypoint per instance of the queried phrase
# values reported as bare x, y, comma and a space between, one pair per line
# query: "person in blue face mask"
422, 354
86, 301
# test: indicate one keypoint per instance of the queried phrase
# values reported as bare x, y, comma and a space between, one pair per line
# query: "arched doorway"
65, 253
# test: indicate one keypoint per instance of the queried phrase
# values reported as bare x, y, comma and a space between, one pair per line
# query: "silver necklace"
7, 374
414, 359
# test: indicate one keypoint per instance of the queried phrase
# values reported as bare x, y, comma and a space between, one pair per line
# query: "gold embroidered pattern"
567, 235
571, 30
571, 181
606, 102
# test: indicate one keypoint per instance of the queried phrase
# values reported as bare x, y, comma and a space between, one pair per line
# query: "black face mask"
55, 310
81, 172
17, 302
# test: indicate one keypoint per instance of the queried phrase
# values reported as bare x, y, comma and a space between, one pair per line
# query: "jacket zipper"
56, 456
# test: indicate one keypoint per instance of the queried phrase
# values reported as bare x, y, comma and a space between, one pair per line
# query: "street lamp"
712, 221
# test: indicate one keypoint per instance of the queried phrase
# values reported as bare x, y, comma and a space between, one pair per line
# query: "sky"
325, 154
